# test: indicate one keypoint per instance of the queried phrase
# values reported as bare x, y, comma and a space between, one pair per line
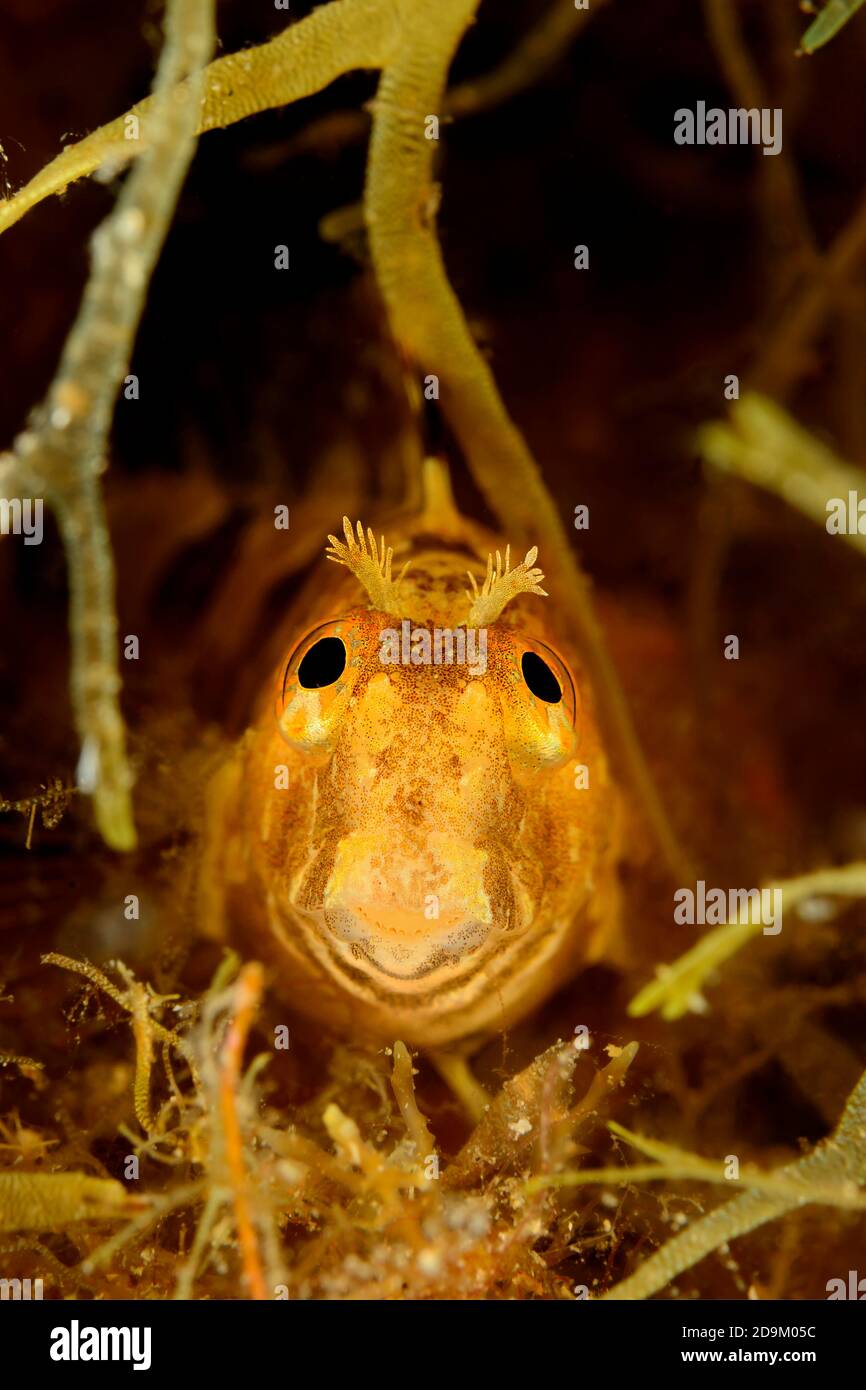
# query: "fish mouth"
395, 945
429, 914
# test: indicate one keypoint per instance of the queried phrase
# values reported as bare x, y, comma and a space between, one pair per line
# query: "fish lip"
445, 951
433, 963
350, 956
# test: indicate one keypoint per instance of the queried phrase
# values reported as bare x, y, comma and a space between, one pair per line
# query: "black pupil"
540, 679
324, 663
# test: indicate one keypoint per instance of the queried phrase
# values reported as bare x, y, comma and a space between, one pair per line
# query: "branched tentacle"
502, 584
370, 567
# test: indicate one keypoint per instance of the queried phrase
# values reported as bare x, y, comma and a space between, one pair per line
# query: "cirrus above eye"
540, 679
322, 664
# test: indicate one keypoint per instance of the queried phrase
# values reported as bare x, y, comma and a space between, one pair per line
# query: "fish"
419, 832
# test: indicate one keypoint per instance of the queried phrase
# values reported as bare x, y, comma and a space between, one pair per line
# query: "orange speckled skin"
411, 849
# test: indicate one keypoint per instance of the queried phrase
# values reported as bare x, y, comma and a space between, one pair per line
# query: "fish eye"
540, 679
323, 663
315, 687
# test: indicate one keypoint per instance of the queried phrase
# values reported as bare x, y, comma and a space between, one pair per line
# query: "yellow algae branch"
344, 36
784, 354
672, 1163
536, 52
838, 1164
51, 1201
141, 1003
678, 986
786, 223
63, 451
764, 446
403, 1087
306, 57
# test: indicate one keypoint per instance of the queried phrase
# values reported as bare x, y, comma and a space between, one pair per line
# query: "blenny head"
429, 847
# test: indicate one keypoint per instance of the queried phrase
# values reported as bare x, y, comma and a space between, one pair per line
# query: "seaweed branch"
536, 52
337, 38
247, 992
140, 1002
677, 987
51, 802
784, 350
828, 23
838, 1162
404, 1094
764, 446
671, 1162
63, 451
784, 213
52, 1201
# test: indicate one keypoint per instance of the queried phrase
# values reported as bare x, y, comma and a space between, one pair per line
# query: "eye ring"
314, 686
548, 679
290, 680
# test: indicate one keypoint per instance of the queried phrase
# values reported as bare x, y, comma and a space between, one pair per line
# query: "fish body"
419, 832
